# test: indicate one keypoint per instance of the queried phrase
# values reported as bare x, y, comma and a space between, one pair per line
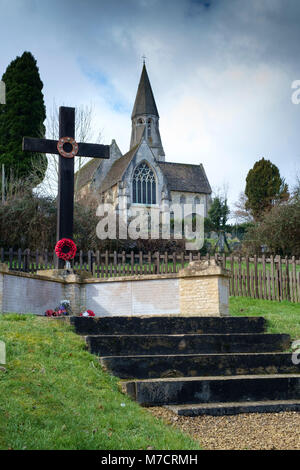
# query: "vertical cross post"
65, 201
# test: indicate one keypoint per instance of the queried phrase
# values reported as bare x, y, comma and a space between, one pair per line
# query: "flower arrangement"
61, 244
87, 313
64, 308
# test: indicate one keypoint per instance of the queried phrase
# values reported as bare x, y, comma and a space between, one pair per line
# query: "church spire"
145, 117
144, 101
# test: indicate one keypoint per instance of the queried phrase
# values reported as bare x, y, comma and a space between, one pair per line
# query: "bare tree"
240, 213
84, 132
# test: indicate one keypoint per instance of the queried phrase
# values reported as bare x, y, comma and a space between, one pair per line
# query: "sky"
221, 71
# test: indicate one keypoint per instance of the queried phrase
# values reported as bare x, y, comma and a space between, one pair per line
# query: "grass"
282, 317
54, 395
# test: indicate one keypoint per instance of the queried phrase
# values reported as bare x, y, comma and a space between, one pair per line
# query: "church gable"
93, 173
106, 165
143, 154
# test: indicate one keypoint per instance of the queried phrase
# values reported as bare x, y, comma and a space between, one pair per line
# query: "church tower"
145, 118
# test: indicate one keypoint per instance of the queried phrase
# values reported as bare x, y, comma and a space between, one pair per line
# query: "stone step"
191, 365
196, 390
166, 325
136, 345
222, 409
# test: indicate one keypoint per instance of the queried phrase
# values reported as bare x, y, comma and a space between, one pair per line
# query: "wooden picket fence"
264, 277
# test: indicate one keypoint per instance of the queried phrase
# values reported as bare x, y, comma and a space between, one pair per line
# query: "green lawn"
54, 395
282, 317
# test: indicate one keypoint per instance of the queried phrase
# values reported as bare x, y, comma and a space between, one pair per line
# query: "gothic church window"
143, 185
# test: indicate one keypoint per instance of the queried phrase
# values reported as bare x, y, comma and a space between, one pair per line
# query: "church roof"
144, 101
86, 172
179, 176
185, 177
117, 170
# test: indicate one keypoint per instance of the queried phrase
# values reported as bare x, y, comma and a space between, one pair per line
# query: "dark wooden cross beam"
67, 148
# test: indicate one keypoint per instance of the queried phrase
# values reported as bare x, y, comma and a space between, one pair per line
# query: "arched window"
140, 121
143, 185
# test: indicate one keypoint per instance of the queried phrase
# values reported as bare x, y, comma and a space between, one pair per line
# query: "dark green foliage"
217, 215
217, 220
23, 115
264, 187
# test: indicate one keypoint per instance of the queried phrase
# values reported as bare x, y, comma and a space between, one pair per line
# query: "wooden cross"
67, 148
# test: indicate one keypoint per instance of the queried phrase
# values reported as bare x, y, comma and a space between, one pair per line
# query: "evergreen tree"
22, 115
264, 187
217, 219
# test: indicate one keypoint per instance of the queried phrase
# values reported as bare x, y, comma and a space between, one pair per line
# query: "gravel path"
253, 431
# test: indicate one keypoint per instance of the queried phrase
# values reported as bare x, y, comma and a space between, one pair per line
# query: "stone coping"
194, 269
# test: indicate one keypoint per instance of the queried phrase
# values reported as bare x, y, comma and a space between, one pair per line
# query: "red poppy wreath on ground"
65, 249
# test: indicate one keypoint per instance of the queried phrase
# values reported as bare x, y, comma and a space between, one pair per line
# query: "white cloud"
221, 75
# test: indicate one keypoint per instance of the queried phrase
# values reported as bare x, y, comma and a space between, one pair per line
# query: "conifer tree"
22, 115
264, 187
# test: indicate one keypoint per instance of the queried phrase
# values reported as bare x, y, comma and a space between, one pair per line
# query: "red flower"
87, 313
65, 242
49, 313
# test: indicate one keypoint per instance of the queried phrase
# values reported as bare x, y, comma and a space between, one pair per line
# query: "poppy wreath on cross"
71, 148
62, 245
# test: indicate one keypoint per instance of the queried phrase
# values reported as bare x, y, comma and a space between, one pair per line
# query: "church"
142, 177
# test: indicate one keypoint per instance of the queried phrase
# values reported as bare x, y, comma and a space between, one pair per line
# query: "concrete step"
166, 325
222, 409
136, 345
192, 365
196, 390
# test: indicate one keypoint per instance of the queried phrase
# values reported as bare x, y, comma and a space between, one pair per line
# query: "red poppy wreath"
61, 246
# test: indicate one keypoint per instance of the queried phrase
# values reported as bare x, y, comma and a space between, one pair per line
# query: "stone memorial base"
204, 289
200, 289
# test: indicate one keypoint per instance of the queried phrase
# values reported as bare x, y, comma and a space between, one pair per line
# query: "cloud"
221, 72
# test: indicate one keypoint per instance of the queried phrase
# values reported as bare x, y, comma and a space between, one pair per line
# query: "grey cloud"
192, 46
